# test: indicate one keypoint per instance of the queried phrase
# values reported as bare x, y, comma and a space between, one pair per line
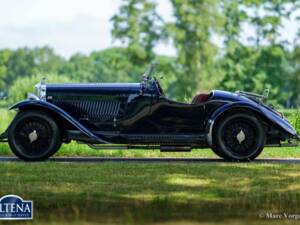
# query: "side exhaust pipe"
175, 148
163, 148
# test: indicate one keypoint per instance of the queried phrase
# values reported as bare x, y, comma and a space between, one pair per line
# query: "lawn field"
137, 193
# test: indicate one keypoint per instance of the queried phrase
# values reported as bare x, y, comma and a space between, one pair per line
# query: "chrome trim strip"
209, 134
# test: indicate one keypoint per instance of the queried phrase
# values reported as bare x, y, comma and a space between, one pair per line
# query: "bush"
294, 118
296, 121
23, 85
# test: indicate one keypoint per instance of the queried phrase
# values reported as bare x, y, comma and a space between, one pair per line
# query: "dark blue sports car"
236, 126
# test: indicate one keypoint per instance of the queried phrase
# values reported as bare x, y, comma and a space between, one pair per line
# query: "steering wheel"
158, 86
148, 80
148, 74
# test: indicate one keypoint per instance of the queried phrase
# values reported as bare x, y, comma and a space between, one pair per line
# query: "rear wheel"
239, 137
34, 136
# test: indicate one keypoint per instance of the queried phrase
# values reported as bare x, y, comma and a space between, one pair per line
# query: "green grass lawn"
136, 193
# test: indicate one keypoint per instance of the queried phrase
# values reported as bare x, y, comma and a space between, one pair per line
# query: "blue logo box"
13, 207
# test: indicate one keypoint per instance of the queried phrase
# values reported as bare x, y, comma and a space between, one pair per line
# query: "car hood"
94, 88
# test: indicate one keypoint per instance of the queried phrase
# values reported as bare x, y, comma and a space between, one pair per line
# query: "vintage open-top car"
236, 126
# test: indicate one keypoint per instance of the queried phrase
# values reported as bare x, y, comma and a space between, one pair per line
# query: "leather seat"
200, 98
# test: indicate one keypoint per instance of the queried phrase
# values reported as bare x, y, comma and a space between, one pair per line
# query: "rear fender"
46, 106
264, 112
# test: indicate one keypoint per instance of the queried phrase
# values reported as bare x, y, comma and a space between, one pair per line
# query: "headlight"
41, 90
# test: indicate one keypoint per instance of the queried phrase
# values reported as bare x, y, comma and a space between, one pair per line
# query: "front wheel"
34, 136
240, 137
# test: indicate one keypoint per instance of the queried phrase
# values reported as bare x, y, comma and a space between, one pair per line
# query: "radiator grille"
95, 110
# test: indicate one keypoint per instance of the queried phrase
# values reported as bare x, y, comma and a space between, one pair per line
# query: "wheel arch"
58, 114
268, 117
61, 122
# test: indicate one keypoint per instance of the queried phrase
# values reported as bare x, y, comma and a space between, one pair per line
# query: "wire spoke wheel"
34, 136
240, 137
247, 141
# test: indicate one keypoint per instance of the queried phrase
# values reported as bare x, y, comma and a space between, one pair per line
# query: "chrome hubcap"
241, 136
33, 136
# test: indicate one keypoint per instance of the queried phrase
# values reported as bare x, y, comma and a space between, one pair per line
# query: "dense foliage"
213, 48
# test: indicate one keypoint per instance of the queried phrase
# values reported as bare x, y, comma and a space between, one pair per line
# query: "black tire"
217, 152
239, 137
45, 140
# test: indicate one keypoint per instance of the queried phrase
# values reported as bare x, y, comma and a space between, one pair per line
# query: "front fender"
39, 104
260, 109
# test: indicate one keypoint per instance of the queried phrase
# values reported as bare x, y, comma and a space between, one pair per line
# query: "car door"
137, 109
168, 116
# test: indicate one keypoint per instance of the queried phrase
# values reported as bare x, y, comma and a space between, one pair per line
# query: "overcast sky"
69, 26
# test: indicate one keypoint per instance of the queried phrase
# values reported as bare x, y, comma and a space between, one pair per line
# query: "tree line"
264, 59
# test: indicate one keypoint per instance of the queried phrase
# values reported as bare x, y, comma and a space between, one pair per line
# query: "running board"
141, 139
167, 139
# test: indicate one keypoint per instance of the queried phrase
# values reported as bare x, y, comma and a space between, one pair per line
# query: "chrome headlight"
41, 90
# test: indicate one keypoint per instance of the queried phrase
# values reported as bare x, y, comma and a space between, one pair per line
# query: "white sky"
69, 26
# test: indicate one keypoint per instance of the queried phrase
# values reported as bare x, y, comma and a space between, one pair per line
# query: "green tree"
114, 65
251, 70
27, 62
234, 16
80, 67
4, 58
264, 64
191, 33
20, 64
295, 78
138, 26
46, 60
266, 16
